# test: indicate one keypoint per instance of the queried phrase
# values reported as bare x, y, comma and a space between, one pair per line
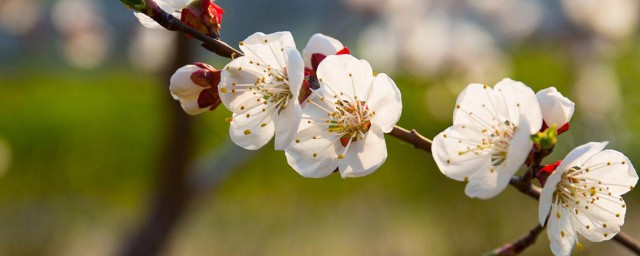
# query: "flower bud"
195, 86
556, 109
204, 16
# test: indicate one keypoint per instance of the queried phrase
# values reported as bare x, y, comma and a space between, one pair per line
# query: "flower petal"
560, 232
287, 124
612, 169
269, 49
556, 109
295, 71
319, 43
364, 155
386, 101
239, 75
345, 74
480, 104
448, 145
601, 220
521, 101
313, 154
486, 183
252, 129
579, 155
546, 197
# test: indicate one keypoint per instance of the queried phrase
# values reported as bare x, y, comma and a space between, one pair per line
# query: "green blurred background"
83, 142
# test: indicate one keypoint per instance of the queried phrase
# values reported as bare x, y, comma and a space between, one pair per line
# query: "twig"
170, 22
412, 137
519, 246
526, 187
628, 242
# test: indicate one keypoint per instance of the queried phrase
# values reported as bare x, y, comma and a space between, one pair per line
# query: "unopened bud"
196, 87
204, 16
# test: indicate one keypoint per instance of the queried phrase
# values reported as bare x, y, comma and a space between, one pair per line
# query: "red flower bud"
204, 16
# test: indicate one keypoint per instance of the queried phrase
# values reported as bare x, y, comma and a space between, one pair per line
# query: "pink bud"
204, 16
195, 86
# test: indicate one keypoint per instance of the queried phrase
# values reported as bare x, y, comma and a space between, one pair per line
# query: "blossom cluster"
328, 111
497, 130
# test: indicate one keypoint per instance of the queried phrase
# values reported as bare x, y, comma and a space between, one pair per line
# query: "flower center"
499, 141
496, 143
571, 188
351, 120
275, 88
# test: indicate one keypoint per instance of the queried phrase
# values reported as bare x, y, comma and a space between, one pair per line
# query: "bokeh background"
92, 145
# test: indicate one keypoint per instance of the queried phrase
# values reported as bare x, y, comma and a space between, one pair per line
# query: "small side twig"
170, 22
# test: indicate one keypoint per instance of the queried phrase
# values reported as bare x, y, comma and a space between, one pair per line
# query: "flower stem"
169, 22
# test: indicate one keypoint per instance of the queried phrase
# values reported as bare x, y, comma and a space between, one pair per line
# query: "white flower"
490, 136
319, 47
195, 86
172, 7
556, 109
262, 89
583, 195
344, 121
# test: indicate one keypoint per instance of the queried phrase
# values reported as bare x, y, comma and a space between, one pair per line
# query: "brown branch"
526, 187
522, 244
170, 22
412, 137
628, 242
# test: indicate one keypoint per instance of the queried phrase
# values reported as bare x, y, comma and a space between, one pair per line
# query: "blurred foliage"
86, 146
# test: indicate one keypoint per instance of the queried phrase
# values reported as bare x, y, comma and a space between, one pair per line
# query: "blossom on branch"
196, 87
204, 16
261, 88
556, 109
583, 195
490, 138
344, 121
172, 7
